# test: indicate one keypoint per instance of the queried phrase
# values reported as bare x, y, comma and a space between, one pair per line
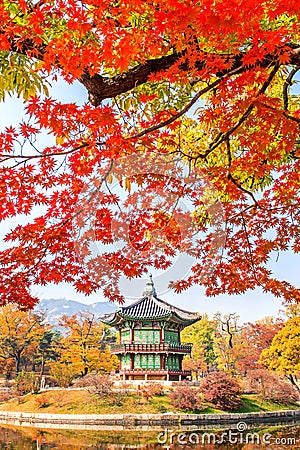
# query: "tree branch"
100, 88
287, 84
185, 109
284, 113
224, 136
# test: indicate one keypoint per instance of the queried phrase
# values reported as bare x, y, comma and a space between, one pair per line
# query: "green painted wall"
126, 361
125, 336
147, 361
171, 337
172, 362
147, 336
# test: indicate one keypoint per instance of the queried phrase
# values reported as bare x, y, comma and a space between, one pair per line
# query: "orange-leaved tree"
257, 337
187, 143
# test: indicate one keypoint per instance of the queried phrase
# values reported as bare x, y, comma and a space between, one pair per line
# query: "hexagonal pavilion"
149, 336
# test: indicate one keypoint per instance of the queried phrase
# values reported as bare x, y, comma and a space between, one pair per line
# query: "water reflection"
278, 438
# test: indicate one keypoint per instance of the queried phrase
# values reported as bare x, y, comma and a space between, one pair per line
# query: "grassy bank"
81, 401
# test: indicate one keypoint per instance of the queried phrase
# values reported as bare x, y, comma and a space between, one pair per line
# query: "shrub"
156, 389
63, 374
186, 398
124, 387
250, 383
150, 390
42, 401
222, 390
275, 388
26, 382
6, 395
117, 398
95, 383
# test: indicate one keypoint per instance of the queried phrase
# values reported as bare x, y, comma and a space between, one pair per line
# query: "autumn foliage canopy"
187, 143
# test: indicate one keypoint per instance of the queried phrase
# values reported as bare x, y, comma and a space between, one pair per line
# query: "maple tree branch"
224, 136
237, 184
284, 113
185, 109
233, 180
35, 265
93, 194
287, 84
249, 248
44, 155
100, 87
61, 225
26, 158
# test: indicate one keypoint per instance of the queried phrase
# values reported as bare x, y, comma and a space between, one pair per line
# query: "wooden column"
162, 362
180, 358
131, 335
132, 361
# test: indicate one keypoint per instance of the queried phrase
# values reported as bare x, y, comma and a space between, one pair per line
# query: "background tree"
197, 88
270, 386
62, 372
230, 347
82, 346
258, 336
283, 354
20, 334
291, 309
202, 336
46, 349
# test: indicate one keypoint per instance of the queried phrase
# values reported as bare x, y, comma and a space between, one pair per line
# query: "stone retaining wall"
145, 421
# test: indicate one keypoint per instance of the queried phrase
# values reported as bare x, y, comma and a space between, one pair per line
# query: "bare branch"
287, 84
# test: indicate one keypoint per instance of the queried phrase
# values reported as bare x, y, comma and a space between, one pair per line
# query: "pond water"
277, 438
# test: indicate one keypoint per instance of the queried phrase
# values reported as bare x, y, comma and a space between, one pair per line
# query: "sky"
251, 306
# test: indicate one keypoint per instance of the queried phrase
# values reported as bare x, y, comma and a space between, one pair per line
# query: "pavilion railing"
150, 348
142, 371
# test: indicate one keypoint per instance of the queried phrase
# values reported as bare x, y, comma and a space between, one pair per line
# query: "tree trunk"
292, 379
42, 365
18, 363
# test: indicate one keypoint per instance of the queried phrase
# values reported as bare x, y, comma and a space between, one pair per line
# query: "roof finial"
149, 289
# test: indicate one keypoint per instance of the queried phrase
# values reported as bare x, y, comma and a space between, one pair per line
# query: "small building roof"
152, 308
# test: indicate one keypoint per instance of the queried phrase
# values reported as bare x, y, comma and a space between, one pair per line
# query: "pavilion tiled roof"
150, 307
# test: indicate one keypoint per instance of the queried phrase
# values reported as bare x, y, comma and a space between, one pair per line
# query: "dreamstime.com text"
240, 435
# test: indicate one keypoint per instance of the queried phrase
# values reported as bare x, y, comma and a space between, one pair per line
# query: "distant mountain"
55, 308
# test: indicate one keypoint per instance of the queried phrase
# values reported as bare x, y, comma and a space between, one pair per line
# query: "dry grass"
81, 402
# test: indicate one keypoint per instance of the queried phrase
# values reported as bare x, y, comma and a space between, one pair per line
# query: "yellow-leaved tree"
283, 354
83, 349
202, 335
21, 334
